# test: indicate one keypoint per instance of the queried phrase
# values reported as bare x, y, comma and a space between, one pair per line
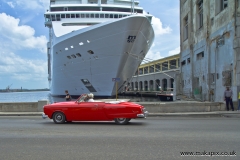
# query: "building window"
220, 5
224, 4
165, 66
188, 60
157, 67
151, 69
183, 63
220, 41
200, 55
200, 14
185, 28
173, 64
140, 71
145, 70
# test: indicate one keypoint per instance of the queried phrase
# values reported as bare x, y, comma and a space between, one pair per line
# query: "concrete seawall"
151, 107
176, 107
23, 106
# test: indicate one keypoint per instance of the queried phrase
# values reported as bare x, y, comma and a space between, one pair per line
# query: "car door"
88, 111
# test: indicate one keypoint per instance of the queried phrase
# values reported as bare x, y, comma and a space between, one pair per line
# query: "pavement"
150, 114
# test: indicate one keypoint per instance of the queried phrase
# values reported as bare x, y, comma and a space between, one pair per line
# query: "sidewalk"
150, 114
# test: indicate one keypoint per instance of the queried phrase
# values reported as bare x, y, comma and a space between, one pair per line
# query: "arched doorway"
164, 84
151, 88
136, 86
157, 85
171, 83
145, 85
141, 85
132, 86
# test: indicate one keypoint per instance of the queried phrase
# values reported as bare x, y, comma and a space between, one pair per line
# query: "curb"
149, 115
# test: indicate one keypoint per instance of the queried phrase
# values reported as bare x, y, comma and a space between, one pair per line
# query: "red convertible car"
80, 110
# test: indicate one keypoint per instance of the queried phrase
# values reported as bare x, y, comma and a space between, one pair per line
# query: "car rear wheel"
122, 120
59, 117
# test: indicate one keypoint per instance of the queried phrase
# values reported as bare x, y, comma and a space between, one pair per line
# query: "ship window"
77, 16
55, 9
69, 57
58, 17
73, 56
115, 15
92, 15
78, 54
82, 15
67, 15
53, 17
96, 15
101, 15
72, 15
116, 9
111, 15
106, 15
120, 16
62, 15
124, 15
87, 15
91, 52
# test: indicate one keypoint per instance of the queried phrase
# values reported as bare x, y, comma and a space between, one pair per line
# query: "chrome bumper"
144, 115
44, 116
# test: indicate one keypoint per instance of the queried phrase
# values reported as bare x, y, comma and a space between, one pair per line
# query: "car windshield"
82, 98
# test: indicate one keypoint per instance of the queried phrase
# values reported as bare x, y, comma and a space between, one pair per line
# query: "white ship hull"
116, 48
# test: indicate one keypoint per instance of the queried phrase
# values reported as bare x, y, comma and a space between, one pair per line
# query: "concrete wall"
151, 107
23, 106
177, 107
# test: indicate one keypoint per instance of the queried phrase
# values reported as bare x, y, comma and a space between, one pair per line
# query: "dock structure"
154, 76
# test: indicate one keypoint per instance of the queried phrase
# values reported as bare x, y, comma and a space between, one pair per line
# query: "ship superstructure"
91, 42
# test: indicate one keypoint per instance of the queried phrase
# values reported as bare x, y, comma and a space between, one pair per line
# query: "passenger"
90, 97
68, 97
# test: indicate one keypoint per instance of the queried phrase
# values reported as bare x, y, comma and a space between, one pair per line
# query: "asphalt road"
155, 138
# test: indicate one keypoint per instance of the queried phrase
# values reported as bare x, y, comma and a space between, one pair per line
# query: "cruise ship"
95, 45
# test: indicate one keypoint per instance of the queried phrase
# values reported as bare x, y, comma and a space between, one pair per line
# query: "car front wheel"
122, 120
59, 117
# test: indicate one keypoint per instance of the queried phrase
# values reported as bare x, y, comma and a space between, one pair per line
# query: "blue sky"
23, 38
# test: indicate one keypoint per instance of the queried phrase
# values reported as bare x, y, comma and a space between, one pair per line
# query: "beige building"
210, 48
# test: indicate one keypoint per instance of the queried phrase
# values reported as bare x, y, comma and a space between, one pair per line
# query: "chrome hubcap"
58, 117
121, 119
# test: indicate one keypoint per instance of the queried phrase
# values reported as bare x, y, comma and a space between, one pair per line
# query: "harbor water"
45, 95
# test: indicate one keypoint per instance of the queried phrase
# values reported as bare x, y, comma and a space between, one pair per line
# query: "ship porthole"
90, 51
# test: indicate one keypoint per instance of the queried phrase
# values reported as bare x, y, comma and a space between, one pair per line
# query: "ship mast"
132, 6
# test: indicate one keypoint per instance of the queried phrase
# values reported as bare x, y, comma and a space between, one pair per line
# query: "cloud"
158, 27
175, 51
34, 5
151, 56
10, 4
21, 37
22, 69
